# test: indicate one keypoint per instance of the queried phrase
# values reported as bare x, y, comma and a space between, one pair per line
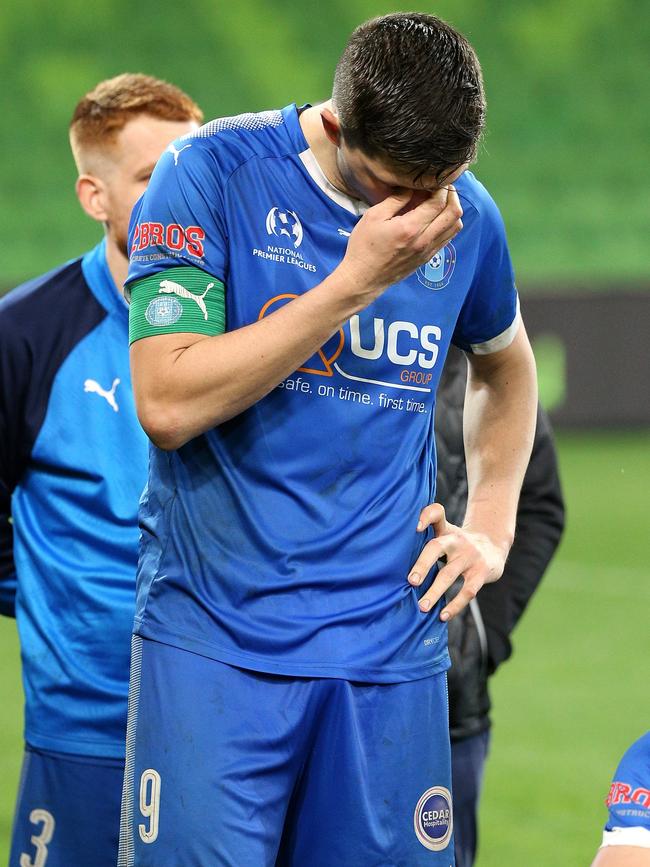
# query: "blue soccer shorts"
68, 811
233, 768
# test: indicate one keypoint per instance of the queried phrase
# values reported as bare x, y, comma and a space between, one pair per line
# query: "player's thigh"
210, 762
67, 811
376, 790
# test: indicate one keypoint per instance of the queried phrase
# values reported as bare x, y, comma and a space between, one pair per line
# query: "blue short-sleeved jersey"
281, 540
73, 463
628, 800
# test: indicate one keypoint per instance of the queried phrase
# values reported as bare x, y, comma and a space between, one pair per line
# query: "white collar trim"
354, 206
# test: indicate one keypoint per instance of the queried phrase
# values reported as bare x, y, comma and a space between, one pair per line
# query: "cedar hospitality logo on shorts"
437, 272
432, 820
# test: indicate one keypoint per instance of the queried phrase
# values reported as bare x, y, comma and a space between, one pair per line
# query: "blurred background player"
626, 838
288, 677
73, 464
479, 637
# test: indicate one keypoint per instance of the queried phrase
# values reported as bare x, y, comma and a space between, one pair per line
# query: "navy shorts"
68, 811
233, 767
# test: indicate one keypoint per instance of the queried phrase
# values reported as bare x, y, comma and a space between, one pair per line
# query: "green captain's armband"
178, 299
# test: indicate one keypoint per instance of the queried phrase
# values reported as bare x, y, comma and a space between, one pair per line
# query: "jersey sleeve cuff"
501, 341
627, 837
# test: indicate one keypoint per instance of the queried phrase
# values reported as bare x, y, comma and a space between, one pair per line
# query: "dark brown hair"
408, 89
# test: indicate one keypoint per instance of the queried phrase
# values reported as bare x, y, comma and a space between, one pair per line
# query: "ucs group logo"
436, 273
404, 344
433, 821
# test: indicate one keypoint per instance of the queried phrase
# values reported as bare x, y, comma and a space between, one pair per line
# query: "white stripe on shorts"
126, 853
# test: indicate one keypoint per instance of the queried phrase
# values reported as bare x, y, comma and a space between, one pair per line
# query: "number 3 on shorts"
39, 840
149, 804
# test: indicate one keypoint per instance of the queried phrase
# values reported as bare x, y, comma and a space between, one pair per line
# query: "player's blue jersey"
628, 800
281, 540
73, 460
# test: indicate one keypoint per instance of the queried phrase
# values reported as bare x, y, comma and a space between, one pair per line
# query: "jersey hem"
72, 746
293, 669
76, 758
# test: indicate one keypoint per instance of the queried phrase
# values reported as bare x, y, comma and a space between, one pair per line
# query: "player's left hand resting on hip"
473, 555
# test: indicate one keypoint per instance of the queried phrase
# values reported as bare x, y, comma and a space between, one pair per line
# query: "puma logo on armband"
170, 288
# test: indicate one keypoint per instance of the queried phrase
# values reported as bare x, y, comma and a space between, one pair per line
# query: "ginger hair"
104, 111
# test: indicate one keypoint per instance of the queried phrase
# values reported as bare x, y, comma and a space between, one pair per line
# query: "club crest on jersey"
163, 311
433, 820
284, 224
436, 273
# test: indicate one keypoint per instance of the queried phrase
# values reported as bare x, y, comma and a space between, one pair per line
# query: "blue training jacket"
73, 461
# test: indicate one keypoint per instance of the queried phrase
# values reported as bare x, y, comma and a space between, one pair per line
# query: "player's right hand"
394, 238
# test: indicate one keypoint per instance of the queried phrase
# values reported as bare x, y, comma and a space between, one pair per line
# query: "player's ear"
331, 125
91, 192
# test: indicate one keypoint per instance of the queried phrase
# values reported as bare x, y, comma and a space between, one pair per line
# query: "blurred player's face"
372, 180
129, 166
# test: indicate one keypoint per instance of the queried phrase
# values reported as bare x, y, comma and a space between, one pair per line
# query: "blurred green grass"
11, 720
565, 151
573, 696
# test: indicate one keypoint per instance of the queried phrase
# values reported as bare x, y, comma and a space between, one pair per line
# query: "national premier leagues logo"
436, 273
284, 224
433, 820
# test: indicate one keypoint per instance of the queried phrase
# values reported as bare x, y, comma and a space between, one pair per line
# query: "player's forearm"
184, 390
187, 384
499, 425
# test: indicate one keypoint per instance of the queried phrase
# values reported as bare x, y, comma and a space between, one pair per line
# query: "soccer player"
626, 838
288, 700
73, 464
